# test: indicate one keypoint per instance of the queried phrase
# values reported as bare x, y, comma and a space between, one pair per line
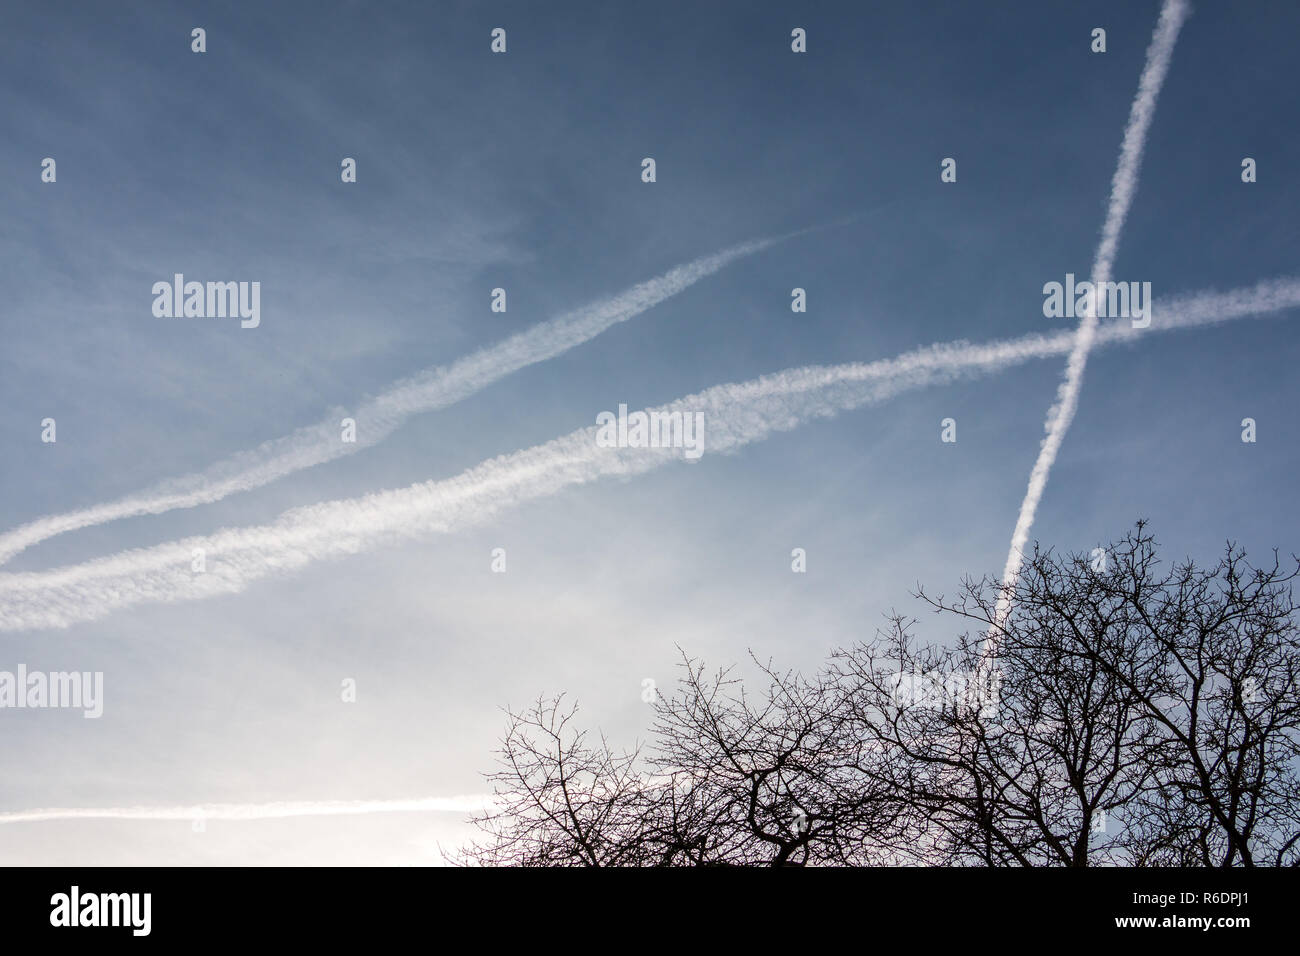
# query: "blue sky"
522, 171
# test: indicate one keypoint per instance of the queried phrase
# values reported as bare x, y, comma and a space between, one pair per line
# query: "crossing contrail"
378, 417
734, 415
1123, 186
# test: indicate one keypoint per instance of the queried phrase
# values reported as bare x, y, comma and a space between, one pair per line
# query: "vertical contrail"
1123, 186
736, 414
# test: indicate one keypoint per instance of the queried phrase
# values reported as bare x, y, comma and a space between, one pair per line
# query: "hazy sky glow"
522, 171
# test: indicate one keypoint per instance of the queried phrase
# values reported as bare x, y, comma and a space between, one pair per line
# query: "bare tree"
1209, 657
560, 800
1123, 713
1173, 694
732, 780
774, 778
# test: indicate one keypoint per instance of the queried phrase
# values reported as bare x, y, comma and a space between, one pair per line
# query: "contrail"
1123, 186
734, 415
380, 416
255, 811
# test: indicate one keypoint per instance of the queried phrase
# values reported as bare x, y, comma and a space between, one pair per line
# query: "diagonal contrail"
380, 416
255, 811
734, 415
1123, 186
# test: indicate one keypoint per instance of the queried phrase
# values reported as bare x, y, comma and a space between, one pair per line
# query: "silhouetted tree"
1121, 713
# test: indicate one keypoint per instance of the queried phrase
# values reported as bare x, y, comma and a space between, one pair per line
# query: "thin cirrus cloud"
1123, 186
380, 416
734, 415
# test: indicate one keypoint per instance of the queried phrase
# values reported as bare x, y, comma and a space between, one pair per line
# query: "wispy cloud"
379, 416
735, 415
1123, 186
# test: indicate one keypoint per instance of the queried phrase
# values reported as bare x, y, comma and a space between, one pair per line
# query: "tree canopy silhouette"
1125, 712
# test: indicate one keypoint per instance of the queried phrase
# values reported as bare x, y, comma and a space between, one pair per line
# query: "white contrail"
379, 416
734, 415
255, 811
1123, 186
